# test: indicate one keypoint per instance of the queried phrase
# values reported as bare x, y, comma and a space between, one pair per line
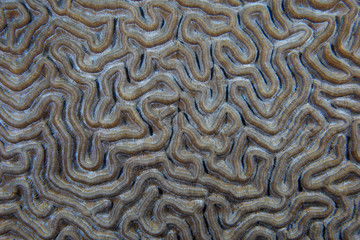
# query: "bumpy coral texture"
181, 119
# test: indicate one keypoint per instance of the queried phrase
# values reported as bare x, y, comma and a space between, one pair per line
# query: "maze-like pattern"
181, 119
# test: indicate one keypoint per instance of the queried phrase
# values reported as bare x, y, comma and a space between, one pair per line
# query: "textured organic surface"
180, 119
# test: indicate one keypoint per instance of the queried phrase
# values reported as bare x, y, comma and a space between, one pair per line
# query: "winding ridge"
181, 119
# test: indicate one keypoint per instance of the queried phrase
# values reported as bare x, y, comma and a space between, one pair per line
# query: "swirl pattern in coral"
181, 119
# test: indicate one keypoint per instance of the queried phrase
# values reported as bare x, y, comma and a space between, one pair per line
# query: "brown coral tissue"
180, 119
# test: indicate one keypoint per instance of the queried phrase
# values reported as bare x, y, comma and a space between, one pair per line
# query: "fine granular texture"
181, 119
